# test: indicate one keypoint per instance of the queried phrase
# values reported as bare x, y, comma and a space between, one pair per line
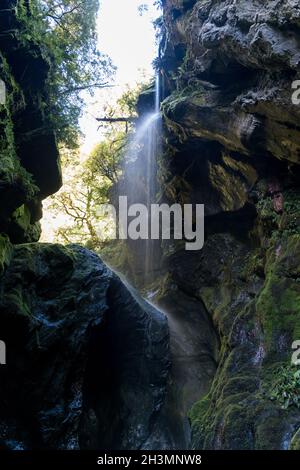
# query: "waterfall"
191, 334
139, 182
152, 147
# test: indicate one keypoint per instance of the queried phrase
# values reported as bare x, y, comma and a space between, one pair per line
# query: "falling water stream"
140, 182
191, 334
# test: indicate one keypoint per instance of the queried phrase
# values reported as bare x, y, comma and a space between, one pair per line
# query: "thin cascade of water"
140, 173
190, 332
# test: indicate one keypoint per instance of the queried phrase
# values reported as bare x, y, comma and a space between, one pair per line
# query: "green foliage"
91, 182
65, 31
278, 303
11, 171
6, 251
127, 103
105, 159
286, 386
281, 226
193, 93
87, 186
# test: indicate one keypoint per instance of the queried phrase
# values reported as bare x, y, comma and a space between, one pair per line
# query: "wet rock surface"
232, 143
30, 164
87, 361
194, 354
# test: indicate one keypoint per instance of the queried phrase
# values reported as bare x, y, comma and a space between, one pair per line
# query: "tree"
87, 187
105, 159
125, 109
65, 30
91, 183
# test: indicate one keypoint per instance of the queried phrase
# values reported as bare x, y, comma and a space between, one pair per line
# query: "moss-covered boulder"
87, 360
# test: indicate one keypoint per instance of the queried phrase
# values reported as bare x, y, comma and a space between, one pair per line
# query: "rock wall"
232, 142
29, 159
87, 360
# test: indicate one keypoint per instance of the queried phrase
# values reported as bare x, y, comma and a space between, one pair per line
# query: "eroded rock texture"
232, 141
29, 159
87, 361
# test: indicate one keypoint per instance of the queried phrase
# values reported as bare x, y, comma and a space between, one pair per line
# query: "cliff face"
29, 165
232, 142
87, 360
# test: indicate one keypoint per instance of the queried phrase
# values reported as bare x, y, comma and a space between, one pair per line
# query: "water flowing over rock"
88, 361
139, 181
90, 364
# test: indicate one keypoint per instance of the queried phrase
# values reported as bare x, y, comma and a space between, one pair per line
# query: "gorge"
178, 349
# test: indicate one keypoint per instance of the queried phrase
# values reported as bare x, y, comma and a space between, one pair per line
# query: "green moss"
195, 94
239, 385
33, 232
278, 305
18, 291
253, 405
22, 217
198, 417
283, 385
295, 443
11, 170
18, 301
291, 219
237, 428
254, 264
280, 226
270, 430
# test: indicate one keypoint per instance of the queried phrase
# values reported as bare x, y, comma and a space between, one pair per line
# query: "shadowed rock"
87, 363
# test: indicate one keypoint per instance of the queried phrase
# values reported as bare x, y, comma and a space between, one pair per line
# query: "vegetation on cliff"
65, 31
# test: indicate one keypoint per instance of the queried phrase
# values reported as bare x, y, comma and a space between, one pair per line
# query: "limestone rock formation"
87, 361
232, 142
29, 165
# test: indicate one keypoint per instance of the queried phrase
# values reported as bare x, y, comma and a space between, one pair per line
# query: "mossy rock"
58, 264
278, 305
6, 251
295, 443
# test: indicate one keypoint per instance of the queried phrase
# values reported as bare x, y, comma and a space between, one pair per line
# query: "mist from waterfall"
139, 183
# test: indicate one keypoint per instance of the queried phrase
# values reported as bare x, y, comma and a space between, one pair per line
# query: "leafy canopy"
65, 30
91, 183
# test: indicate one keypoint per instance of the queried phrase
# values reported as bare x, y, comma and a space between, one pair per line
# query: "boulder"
87, 360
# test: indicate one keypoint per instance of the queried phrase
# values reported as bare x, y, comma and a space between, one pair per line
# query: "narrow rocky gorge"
205, 361
87, 360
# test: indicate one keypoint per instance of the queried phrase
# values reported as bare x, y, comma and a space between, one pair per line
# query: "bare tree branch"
120, 119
